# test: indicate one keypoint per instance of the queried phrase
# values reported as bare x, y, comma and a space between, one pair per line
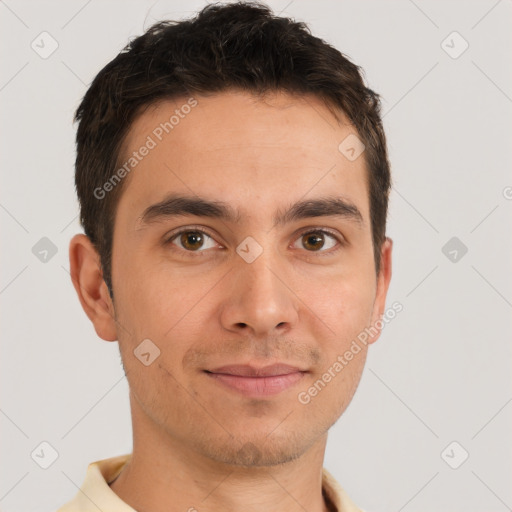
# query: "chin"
258, 450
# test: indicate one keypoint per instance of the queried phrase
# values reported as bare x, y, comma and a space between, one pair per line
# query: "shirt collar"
95, 492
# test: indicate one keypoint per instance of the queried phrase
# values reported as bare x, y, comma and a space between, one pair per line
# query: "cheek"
157, 309
161, 303
346, 306
343, 304
334, 382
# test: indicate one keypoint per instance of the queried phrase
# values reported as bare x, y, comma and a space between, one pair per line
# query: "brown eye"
193, 240
318, 241
313, 241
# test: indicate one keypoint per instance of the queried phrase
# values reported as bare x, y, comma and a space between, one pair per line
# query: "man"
233, 183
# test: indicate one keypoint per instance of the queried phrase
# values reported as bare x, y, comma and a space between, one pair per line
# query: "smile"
258, 386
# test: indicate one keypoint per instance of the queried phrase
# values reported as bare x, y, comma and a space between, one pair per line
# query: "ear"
87, 277
383, 280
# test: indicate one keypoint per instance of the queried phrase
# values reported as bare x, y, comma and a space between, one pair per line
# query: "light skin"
302, 301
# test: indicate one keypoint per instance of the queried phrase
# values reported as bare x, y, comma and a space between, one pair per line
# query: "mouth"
257, 382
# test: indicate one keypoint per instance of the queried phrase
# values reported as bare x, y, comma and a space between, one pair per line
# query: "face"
213, 264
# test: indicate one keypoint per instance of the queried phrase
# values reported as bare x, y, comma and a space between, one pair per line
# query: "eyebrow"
179, 205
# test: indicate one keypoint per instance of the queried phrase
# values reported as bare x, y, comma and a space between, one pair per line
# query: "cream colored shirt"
95, 493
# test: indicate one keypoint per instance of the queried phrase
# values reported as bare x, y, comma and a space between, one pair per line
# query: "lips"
252, 371
257, 381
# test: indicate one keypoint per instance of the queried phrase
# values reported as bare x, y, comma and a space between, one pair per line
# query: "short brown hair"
241, 46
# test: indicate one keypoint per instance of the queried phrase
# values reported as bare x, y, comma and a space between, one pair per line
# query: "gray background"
441, 371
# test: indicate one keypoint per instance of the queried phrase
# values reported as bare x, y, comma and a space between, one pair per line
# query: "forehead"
248, 151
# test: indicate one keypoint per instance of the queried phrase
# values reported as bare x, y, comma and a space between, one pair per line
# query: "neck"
166, 474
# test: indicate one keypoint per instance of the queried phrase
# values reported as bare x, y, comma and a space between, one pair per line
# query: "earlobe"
87, 278
383, 281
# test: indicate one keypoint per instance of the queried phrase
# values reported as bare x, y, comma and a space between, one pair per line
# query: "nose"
260, 302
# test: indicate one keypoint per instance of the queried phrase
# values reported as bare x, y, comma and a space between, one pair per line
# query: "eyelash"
168, 240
